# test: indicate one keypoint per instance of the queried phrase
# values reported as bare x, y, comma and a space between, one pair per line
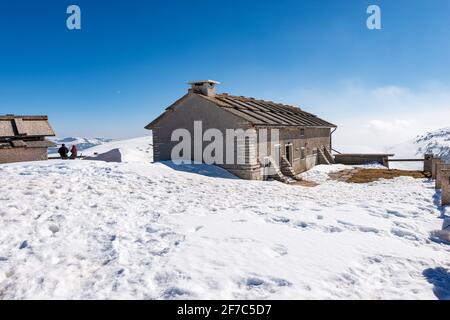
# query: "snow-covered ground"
98, 230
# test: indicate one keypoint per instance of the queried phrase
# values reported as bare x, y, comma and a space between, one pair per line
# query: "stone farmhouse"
22, 138
305, 140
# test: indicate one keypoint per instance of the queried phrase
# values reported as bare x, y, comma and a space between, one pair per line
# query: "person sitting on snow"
73, 152
63, 151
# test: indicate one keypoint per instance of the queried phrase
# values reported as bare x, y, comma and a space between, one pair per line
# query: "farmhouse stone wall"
8, 155
305, 146
359, 159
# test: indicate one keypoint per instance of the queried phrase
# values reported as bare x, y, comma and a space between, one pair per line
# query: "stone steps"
322, 158
328, 155
286, 168
278, 174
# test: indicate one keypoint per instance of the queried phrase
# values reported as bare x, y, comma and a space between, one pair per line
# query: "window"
302, 132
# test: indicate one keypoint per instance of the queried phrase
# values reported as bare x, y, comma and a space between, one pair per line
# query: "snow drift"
131, 150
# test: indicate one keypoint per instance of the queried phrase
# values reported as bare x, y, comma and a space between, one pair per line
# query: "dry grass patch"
304, 183
370, 175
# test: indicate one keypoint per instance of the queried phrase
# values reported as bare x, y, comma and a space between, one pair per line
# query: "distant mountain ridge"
81, 143
437, 142
434, 142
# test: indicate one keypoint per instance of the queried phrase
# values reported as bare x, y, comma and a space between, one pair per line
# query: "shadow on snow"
201, 169
440, 279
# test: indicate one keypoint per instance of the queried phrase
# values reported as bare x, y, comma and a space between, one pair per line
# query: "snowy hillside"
436, 142
131, 150
82, 143
92, 229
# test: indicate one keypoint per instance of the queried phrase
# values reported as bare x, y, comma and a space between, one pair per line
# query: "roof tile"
261, 112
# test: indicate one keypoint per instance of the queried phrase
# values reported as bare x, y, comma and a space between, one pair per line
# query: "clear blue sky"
132, 58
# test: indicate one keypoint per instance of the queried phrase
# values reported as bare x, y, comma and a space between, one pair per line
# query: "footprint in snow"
53, 228
263, 287
280, 250
254, 282
23, 245
401, 233
175, 293
280, 219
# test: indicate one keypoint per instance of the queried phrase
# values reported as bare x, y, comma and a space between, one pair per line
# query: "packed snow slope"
435, 142
131, 150
136, 230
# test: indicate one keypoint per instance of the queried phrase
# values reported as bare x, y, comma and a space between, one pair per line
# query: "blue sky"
133, 58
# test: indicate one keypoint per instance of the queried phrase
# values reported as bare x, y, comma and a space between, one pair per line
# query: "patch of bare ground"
304, 183
369, 175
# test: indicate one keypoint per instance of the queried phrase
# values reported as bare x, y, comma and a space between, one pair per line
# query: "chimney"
204, 87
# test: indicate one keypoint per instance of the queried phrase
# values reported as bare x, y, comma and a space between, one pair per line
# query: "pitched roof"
261, 112
25, 126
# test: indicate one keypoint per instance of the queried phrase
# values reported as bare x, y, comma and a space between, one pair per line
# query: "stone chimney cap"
204, 87
199, 82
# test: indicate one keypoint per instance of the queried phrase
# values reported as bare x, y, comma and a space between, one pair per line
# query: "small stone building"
304, 139
22, 138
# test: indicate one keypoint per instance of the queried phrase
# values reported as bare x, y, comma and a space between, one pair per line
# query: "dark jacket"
63, 151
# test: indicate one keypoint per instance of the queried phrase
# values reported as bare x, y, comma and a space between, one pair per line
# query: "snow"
140, 230
131, 150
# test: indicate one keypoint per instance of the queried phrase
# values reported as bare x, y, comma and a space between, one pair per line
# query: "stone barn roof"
25, 131
258, 112
25, 126
261, 112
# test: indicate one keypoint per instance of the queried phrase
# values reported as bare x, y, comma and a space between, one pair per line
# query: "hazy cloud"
378, 116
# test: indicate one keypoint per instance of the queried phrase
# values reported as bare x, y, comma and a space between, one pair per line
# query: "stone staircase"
286, 168
277, 173
286, 174
325, 156
328, 155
